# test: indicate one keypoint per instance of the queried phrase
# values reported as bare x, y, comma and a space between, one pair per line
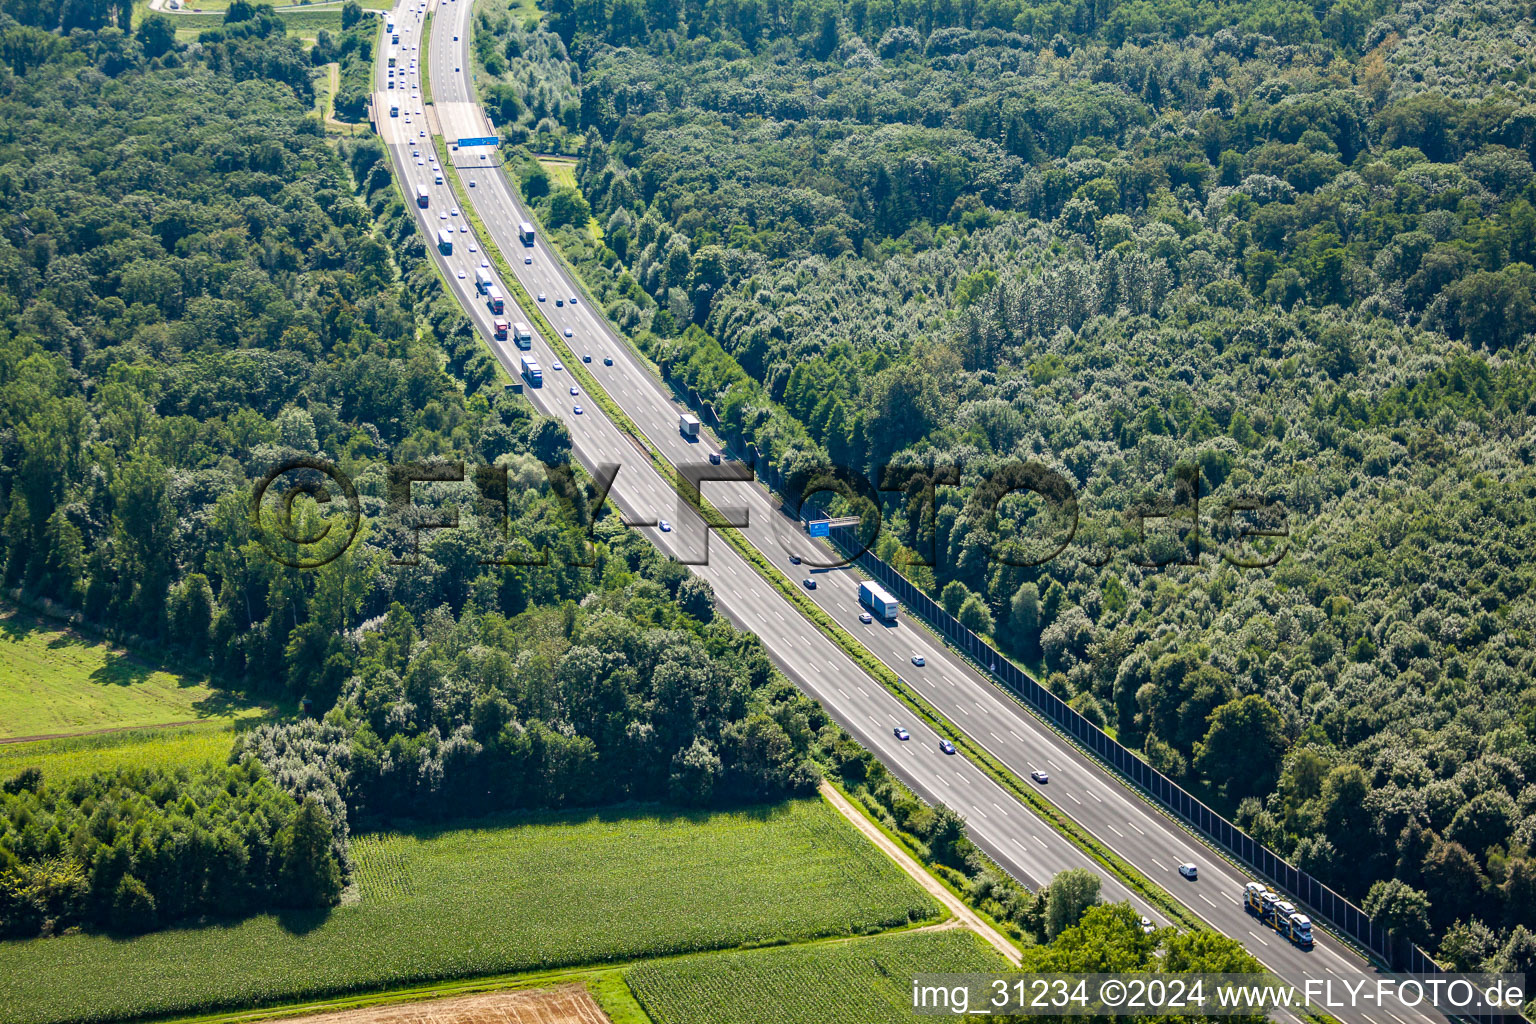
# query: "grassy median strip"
1052, 815
1132, 878
424, 49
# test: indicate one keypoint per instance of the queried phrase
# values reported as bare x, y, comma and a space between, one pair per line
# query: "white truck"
531, 372
522, 335
482, 279
688, 425
874, 597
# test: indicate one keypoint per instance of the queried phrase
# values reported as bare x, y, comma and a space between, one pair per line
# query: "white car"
471, 182
527, 260
442, 214
902, 734
454, 210
666, 527
461, 275
866, 618
1040, 776
421, 134
557, 366
541, 296
1190, 872
472, 247
576, 409
463, 229
919, 660
420, 162
575, 390
567, 332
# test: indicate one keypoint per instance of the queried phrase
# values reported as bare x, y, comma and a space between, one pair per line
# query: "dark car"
714, 458
810, 584
1040, 776
902, 734
946, 746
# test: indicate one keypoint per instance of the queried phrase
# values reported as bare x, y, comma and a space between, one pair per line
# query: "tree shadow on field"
18, 625
121, 669
302, 922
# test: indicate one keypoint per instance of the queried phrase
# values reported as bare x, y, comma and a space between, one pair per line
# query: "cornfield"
863, 981
496, 896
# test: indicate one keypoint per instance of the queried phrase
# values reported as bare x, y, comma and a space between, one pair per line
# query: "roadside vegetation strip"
423, 58
861, 981
986, 928
829, 628
505, 895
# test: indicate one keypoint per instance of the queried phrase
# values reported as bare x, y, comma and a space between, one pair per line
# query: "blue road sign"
818, 527
493, 140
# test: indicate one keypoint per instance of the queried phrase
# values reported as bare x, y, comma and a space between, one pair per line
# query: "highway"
1012, 834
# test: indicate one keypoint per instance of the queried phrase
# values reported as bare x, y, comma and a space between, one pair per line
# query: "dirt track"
964, 914
567, 1004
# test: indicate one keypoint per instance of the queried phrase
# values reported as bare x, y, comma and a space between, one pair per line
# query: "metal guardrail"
1319, 899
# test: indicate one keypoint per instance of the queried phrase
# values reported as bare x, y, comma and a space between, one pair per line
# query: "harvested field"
567, 1004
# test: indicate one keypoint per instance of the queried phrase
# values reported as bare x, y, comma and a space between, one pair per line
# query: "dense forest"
195, 287
1190, 256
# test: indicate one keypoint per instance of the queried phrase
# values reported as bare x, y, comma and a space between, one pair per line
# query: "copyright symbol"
1112, 992
311, 534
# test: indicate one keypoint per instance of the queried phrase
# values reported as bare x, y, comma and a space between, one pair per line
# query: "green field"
862, 981
500, 896
562, 172
77, 756
54, 681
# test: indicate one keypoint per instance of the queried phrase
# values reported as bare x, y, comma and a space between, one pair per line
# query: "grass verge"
425, 49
